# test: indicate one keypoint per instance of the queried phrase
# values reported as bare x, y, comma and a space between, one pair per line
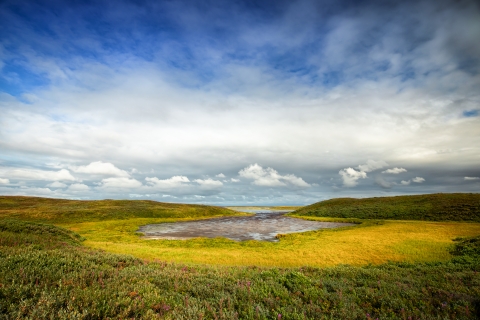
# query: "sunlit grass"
367, 243
112, 226
48, 272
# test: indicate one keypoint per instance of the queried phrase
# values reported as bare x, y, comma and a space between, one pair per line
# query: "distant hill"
61, 210
434, 207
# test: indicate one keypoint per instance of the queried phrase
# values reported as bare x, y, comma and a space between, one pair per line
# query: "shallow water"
261, 226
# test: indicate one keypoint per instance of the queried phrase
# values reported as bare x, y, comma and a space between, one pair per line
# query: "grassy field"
48, 274
377, 269
111, 226
427, 207
60, 211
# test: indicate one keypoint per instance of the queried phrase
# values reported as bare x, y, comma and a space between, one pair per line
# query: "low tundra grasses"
426, 207
63, 259
48, 274
111, 225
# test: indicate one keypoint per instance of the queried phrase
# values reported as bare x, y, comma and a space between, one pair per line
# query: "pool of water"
261, 226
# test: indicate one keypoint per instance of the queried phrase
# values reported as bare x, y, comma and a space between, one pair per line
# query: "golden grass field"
111, 225
367, 243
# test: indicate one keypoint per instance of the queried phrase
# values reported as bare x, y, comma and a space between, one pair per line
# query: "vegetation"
47, 273
428, 207
65, 211
104, 225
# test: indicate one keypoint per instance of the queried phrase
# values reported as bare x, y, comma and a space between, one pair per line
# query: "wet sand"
261, 226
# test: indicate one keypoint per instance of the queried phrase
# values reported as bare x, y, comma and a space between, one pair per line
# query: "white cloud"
372, 165
144, 114
295, 181
120, 182
36, 174
418, 179
167, 184
208, 184
395, 170
220, 175
4, 181
78, 187
351, 176
269, 177
405, 182
234, 180
472, 178
101, 168
56, 185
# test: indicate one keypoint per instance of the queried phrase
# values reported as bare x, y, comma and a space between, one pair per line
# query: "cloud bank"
181, 101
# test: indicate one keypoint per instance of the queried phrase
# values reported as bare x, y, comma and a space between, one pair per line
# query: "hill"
68, 211
428, 207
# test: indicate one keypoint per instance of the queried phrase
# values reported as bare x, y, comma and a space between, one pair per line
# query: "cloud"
36, 174
295, 181
174, 182
471, 178
101, 168
418, 179
57, 185
269, 177
120, 183
351, 176
392, 82
208, 184
405, 182
395, 170
4, 181
220, 175
382, 182
372, 165
78, 187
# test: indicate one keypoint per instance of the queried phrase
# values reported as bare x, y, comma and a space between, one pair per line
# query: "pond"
261, 226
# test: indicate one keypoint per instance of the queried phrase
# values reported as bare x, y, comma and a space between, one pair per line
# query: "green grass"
429, 207
52, 276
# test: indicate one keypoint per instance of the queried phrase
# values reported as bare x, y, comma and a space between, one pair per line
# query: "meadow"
83, 259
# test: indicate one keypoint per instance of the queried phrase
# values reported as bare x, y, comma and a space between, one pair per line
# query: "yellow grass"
412, 241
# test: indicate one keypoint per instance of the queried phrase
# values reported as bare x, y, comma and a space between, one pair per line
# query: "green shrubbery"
55, 277
433, 207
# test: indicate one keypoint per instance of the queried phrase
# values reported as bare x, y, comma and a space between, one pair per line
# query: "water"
261, 226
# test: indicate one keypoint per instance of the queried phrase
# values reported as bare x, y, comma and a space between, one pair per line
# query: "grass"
48, 274
60, 211
371, 242
111, 226
428, 207
68, 259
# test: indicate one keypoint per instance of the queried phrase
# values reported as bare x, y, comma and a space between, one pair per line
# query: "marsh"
263, 226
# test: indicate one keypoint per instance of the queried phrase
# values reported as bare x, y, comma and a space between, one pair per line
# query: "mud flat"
261, 226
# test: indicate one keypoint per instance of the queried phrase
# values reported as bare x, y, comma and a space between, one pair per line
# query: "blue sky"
239, 102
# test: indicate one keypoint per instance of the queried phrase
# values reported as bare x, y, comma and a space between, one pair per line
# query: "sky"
239, 102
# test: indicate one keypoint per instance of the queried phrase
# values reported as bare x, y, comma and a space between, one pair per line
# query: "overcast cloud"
222, 102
